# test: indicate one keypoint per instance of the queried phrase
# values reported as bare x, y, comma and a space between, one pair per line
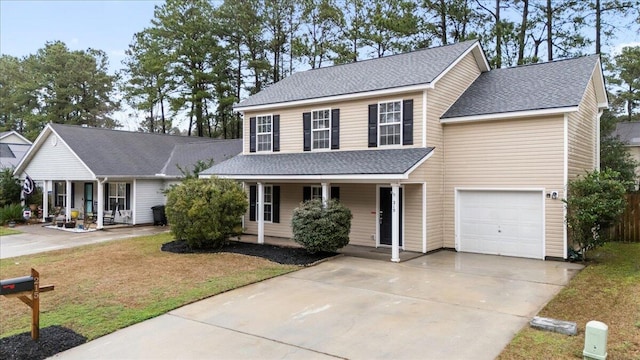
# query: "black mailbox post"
16, 285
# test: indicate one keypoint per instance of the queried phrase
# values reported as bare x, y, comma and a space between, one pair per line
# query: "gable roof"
6, 134
391, 72
135, 154
11, 154
628, 133
388, 163
553, 85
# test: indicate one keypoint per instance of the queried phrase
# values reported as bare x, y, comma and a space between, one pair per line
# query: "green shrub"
206, 212
11, 213
595, 203
9, 187
319, 228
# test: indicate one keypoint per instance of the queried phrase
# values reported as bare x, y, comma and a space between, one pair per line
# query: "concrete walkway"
36, 238
445, 305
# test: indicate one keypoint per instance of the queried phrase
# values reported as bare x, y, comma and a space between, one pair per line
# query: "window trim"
270, 133
265, 203
327, 129
318, 189
60, 190
400, 123
112, 196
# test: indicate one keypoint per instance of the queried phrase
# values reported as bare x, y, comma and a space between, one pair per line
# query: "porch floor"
366, 252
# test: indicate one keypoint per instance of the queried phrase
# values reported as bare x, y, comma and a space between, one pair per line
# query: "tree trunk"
499, 36
523, 32
443, 22
549, 31
164, 121
598, 25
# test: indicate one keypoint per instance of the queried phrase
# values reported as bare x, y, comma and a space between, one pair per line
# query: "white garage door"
501, 223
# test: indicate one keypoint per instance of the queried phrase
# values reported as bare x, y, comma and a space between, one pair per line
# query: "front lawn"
105, 287
607, 290
8, 231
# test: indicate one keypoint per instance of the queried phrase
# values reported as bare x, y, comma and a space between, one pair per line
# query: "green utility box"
595, 340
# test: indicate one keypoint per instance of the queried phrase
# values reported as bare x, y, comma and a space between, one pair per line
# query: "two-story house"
429, 149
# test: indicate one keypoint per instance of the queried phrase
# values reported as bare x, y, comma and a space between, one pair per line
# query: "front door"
88, 198
384, 218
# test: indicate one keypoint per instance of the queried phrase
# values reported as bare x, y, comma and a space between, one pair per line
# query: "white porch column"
100, 209
325, 193
67, 210
45, 199
395, 222
260, 204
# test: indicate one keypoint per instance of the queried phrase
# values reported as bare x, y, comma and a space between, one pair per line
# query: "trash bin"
159, 216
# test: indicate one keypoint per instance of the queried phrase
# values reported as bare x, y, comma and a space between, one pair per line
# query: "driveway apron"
445, 305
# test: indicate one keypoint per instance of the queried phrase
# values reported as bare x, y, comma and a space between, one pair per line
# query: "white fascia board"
477, 50
420, 162
510, 115
328, 99
600, 88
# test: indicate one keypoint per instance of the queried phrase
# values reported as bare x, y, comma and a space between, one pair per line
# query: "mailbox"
16, 285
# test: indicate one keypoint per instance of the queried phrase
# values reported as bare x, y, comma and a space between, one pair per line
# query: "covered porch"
388, 207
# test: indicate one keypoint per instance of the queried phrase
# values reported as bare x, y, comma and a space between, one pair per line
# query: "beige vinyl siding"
582, 135
354, 117
508, 154
359, 198
635, 155
56, 163
412, 217
447, 90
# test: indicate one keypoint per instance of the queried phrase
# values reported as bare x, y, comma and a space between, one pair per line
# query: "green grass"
607, 290
4, 231
105, 287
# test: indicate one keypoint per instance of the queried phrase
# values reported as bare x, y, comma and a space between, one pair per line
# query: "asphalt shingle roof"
412, 68
549, 85
124, 153
361, 162
628, 133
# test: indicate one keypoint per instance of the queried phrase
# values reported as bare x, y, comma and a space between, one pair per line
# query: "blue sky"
26, 25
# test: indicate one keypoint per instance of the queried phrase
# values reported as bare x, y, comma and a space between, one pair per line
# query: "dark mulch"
279, 254
53, 339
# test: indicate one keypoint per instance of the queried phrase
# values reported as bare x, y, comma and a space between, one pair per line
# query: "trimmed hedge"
319, 228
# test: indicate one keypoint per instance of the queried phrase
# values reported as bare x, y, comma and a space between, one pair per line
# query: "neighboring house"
96, 170
629, 134
13, 146
429, 149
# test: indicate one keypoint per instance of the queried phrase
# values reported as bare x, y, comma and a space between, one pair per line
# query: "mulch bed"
279, 254
53, 339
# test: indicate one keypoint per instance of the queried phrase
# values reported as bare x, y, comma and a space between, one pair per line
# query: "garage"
509, 223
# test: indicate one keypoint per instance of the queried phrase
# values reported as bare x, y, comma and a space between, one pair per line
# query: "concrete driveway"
36, 238
445, 305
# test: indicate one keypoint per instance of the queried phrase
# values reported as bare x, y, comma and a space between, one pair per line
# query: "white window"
320, 129
263, 132
61, 194
316, 192
268, 203
390, 123
117, 196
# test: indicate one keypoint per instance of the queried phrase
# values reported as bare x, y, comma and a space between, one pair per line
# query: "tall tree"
352, 37
392, 25
320, 21
626, 77
276, 14
607, 15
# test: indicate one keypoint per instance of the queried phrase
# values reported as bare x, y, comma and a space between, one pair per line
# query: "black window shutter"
407, 122
335, 129
373, 125
275, 215
252, 202
306, 130
276, 132
252, 134
127, 197
73, 195
106, 196
306, 193
335, 193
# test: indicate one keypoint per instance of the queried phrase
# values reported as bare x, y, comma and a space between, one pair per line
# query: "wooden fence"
628, 229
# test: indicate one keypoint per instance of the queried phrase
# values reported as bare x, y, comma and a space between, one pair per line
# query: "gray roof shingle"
361, 162
412, 68
628, 133
124, 153
549, 85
